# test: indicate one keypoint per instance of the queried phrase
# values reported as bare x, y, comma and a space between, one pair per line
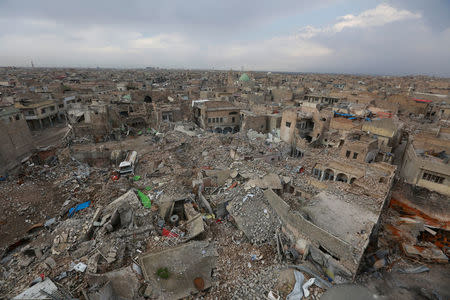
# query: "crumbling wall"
16, 143
93, 157
256, 123
288, 123
282, 94
299, 227
407, 105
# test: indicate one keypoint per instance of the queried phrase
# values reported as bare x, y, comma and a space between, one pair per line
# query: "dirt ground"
23, 204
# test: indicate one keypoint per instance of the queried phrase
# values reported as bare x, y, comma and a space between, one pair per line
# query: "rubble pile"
164, 184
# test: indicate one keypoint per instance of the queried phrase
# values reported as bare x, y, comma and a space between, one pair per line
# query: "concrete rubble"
233, 191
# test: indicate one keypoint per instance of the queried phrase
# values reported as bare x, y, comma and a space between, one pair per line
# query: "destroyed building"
426, 161
263, 123
328, 180
39, 114
306, 125
92, 120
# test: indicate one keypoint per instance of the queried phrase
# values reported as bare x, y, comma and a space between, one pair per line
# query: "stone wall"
256, 123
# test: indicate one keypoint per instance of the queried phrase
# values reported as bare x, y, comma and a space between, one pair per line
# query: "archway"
218, 130
227, 130
148, 99
341, 177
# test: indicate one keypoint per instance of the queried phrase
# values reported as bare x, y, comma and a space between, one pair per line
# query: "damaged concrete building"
40, 114
426, 161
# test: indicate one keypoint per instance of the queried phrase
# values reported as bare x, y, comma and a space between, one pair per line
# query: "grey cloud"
205, 34
436, 12
196, 17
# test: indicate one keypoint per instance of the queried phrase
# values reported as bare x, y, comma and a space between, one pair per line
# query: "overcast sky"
332, 36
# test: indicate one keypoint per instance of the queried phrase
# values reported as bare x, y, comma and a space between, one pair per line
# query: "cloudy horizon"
396, 37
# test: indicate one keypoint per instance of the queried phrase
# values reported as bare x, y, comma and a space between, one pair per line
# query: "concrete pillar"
51, 122
40, 124
323, 176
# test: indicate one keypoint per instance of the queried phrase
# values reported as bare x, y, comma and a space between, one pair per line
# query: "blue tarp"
79, 207
343, 114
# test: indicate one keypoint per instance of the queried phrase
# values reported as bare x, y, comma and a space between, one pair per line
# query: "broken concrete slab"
129, 197
35, 292
427, 251
184, 263
270, 180
194, 222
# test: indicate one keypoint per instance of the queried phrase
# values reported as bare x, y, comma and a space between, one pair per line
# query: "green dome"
244, 77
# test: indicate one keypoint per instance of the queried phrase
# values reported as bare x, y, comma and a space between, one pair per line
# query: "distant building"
320, 99
217, 116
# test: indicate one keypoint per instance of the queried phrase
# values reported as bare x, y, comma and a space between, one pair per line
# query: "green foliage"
163, 273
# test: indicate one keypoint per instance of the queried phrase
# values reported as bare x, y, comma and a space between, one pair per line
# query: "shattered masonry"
165, 184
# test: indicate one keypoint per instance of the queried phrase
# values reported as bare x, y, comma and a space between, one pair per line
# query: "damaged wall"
299, 227
16, 141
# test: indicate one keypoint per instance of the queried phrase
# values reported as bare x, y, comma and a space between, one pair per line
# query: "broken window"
316, 173
355, 155
433, 178
288, 124
221, 120
347, 154
167, 117
232, 119
209, 120
43, 111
